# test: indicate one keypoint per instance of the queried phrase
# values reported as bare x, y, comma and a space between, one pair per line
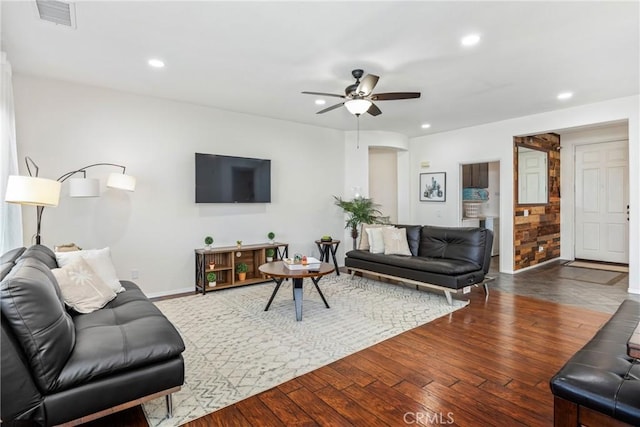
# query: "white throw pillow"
395, 241
99, 260
82, 289
364, 237
376, 241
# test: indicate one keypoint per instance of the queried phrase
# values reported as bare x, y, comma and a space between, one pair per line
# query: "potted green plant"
360, 210
271, 236
239, 243
208, 241
211, 278
270, 253
242, 269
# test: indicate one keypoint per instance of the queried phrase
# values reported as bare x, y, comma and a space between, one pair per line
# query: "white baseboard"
171, 292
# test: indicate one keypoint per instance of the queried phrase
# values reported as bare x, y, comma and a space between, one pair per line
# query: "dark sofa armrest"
487, 251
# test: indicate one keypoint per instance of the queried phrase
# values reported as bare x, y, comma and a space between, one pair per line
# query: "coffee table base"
297, 294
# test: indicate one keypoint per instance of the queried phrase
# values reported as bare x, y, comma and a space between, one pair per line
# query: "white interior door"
602, 197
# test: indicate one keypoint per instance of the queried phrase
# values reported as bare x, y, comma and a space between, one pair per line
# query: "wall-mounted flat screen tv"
228, 179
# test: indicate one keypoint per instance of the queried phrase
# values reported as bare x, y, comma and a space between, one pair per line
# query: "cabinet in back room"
475, 175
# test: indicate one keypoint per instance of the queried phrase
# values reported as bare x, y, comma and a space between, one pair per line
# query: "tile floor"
594, 289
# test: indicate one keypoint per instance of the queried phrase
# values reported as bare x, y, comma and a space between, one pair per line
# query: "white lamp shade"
121, 182
84, 187
357, 106
29, 190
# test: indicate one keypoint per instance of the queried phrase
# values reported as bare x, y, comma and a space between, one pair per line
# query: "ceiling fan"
358, 97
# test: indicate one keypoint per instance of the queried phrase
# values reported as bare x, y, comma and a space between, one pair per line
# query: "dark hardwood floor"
487, 364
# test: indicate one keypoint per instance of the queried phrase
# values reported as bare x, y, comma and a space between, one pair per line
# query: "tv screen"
228, 179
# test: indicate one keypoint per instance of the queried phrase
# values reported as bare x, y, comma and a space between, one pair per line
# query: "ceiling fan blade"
333, 107
394, 95
367, 84
374, 110
324, 94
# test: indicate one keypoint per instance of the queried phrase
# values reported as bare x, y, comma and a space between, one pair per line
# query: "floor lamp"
41, 192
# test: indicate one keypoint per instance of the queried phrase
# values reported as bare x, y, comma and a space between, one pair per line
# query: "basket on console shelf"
472, 209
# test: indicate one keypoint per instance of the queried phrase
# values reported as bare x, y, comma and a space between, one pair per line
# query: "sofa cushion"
364, 237
100, 262
126, 334
376, 240
395, 241
463, 244
433, 265
82, 289
413, 237
601, 375
32, 308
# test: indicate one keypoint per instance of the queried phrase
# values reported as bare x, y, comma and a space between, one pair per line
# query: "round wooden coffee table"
278, 272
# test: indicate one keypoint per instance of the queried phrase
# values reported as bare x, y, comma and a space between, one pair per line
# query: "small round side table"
326, 248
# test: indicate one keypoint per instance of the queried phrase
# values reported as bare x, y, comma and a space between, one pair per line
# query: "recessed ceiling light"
156, 63
470, 40
565, 95
320, 102
426, 126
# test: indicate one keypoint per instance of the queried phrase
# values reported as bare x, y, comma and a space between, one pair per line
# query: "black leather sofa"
63, 367
450, 259
601, 382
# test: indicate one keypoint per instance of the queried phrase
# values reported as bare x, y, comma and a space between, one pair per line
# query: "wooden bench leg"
565, 413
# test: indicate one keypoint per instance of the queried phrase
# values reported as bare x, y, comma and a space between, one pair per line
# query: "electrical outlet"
526, 212
135, 274
540, 249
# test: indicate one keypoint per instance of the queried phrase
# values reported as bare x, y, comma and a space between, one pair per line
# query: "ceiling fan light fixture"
357, 106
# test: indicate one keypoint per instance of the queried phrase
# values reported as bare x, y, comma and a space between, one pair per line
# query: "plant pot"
269, 259
242, 276
212, 284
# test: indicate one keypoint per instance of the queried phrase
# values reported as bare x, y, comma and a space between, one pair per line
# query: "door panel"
602, 194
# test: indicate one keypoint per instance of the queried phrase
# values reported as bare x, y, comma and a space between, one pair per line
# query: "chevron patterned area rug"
234, 349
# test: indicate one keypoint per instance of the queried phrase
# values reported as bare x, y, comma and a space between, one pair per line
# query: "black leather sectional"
445, 258
601, 377
58, 366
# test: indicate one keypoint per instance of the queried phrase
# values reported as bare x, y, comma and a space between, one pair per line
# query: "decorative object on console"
211, 278
208, 241
360, 210
41, 192
269, 253
242, 269
433, 187
271, 236
67, 247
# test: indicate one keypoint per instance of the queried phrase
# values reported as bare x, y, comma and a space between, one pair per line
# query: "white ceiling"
256, 57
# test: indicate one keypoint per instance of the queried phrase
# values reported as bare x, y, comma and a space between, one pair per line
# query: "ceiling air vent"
58, 12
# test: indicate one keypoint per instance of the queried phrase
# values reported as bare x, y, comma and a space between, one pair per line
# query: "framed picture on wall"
433, 187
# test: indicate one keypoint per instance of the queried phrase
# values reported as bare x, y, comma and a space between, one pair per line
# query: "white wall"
494, 141
356, 164
65, 126
383, 181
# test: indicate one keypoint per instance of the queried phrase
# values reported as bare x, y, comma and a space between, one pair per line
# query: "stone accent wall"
542, 226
